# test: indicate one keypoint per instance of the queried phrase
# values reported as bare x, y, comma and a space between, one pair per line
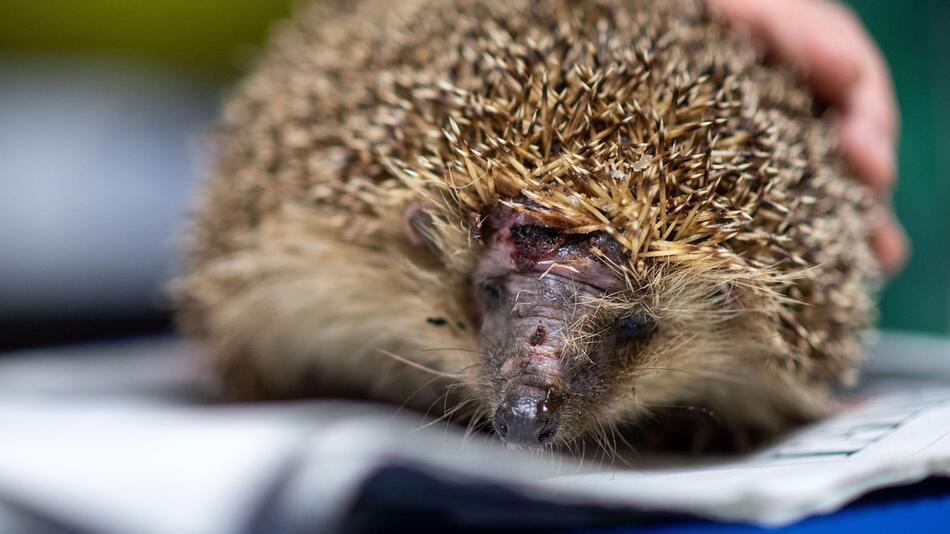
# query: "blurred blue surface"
921, 508
97, 162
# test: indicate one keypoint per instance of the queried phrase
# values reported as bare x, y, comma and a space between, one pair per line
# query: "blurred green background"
209, 41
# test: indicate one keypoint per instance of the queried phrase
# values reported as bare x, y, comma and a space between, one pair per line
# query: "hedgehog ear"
419, 226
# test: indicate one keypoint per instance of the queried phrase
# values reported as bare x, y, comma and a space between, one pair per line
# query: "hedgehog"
552, 219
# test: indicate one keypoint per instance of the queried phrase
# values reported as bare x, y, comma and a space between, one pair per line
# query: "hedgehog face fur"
557, 216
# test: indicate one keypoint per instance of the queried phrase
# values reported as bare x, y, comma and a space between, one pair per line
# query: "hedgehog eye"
492, 292
633, 327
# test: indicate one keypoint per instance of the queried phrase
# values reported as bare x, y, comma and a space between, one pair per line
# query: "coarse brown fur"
652, 122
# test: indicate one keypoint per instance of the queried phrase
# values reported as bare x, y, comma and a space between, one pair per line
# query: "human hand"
847, 70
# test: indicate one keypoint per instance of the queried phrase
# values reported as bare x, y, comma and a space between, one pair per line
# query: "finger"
870, 118
870, 151
829, 44
890, 245
874, 93
873, 98
870, 124
831, 69
806, 33
845, 67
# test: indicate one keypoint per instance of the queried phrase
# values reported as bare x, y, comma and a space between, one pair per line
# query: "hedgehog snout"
528, 416
529, 381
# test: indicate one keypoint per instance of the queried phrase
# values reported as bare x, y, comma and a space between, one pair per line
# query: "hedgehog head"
571, 336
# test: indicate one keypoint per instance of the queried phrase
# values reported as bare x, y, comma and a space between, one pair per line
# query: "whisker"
414, 393
687, 407
429, 382
473, 421
617, 434
634, 372
445, 416
456, 349
416, 365
630, 446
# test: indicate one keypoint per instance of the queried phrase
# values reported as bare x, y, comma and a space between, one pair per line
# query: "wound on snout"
538, 337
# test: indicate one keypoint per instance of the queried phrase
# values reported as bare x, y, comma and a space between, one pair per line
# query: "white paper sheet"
107, 439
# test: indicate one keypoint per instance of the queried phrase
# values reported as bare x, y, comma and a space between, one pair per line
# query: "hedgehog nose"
525, 418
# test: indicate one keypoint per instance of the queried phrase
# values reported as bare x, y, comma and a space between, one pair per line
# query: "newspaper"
888, 438
108, 444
